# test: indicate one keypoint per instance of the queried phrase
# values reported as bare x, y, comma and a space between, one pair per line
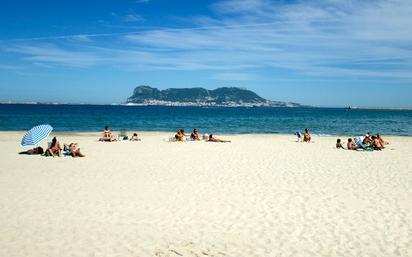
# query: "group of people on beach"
368, 142
194, 136
108, 136
54, 149
180, 136
306, 137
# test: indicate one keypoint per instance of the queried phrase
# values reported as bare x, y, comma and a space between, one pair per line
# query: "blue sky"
321, 52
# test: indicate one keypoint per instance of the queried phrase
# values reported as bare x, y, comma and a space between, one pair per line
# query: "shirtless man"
351, 145
339, 144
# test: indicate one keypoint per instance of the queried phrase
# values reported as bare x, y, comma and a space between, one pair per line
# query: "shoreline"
163, 133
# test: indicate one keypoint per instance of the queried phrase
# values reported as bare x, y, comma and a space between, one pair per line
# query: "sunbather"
107, 135
34, 151
376, 143
367, 140
180, 135
298, 136
351, 145
339, 144
214, 139
135, 137
54, 148
195, 135
306, 136
74, 150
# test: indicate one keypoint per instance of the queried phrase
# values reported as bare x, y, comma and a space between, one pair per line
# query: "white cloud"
316, 38
46, 53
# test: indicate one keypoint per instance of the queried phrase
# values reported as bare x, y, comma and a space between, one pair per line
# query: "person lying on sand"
107, 135
195, 135
34, 151
135, 137
180, 135
351, 145
214, 139
54, 148
339, 144
74, 150
376, 143
306, 136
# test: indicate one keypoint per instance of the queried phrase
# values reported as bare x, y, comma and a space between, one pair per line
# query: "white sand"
261, 195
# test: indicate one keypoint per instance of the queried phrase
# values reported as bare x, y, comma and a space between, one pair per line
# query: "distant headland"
222, 97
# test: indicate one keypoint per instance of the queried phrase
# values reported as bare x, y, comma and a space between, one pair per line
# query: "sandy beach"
261, 195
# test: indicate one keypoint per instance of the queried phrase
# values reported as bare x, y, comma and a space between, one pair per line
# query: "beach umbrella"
36, 134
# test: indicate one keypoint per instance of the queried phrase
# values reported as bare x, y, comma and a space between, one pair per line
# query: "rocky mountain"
224, 96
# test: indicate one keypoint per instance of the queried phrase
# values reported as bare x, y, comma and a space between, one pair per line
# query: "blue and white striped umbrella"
36, 134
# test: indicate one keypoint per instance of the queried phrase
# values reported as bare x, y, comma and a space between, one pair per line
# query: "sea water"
321, 121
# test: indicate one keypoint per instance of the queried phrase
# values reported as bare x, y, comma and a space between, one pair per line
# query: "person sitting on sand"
376, 143
74, 150
367, 140
214, 139
180, 135
107, 135
339, 144
107, 132
298, 136
351, 145
135, 137
306, 136
54, 148
34, 151
383, 142
195, 135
